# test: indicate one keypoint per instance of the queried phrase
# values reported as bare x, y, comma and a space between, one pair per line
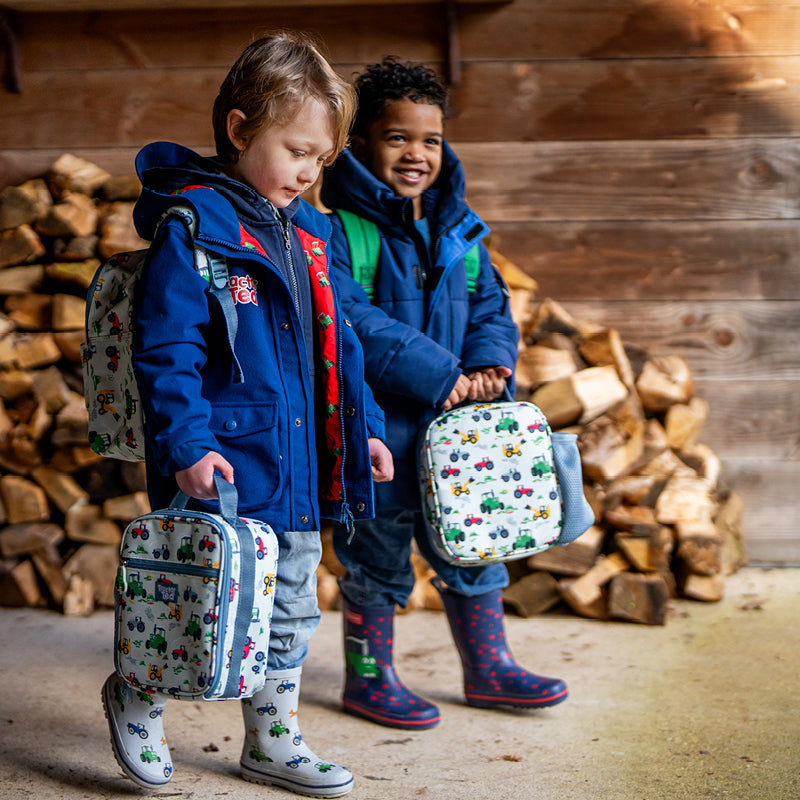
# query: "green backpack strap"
365, 245
472, 264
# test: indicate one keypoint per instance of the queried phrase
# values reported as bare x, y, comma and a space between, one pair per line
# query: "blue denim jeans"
378, 562
295, 614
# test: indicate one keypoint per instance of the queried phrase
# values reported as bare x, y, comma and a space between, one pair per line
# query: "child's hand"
382, 461
198, 480
488, 384
458, 393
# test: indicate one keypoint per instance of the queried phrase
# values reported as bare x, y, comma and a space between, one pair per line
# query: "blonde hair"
269, 82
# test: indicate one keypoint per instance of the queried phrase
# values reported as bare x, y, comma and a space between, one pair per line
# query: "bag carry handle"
228, 499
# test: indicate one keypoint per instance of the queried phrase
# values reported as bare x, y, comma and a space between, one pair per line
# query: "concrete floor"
704, 708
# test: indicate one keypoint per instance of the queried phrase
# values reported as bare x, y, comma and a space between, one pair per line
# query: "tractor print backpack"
497, 485
194, 595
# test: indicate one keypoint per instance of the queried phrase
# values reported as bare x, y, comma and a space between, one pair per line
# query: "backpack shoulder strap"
472, 265
214, 268
365, 244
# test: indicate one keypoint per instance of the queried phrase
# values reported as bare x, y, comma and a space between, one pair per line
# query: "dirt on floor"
703, 708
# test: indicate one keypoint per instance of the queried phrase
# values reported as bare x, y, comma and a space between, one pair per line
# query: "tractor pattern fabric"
194, 601
489, 483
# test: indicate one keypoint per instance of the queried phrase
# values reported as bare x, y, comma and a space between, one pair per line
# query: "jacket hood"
166, 170
349, 185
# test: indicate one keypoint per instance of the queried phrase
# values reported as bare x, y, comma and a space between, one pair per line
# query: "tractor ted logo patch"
244, 289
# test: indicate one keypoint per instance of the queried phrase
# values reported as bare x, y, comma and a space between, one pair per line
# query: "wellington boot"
137, 732
491, 676
274, 752
372, 690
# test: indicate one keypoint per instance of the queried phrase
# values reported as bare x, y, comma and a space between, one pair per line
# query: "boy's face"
282, 161
404, 148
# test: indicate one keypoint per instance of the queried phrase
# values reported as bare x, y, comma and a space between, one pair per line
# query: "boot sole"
264, 779
118, 749
386, 721
493, 701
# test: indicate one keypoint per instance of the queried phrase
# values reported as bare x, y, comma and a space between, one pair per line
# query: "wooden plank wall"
640, 159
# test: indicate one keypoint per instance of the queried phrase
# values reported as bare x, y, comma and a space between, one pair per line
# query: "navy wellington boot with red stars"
372, 690
491, 676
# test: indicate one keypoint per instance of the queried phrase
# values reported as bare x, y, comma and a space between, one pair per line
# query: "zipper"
170, 566
287, 244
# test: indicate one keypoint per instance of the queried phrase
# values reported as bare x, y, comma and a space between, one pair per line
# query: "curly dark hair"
392, 79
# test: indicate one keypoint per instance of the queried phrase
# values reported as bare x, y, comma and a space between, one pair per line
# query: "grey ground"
703, 708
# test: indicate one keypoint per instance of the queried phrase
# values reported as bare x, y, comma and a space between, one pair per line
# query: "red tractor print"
522, 490
447, 471
113, 357
486, 463
473, 520
207, 544
180, 653
262, 548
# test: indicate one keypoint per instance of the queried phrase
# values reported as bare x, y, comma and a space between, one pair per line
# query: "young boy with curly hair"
429, 343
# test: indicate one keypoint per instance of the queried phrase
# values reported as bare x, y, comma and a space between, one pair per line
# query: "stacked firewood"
664, 526
62, 507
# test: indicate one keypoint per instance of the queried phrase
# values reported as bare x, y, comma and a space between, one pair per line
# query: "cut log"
20, 245
79, 597
86, 523
50, 388
699, 548
20, 587
574, 558
704, 461
62, 489
24, 204
663, 382
605, 348
684, 422
31, 350
637, 597
647, 549
728, 524
75, 215
47, 561
583, 594
627, 518
117, 231
709, 588
127, 507
30, 312
685, 499
591, 391
533, 594
25, 537
97, 564
613, 443
68, 313
24, 501
76, 273
537, 364
72, 174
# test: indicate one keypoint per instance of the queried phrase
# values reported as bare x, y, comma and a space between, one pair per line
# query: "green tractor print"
490, 503
358, 662
507, 423
157, 640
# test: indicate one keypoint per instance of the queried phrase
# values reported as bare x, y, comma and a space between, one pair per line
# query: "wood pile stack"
62, 507
665, 526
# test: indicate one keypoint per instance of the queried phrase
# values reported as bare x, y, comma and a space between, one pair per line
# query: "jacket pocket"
250, 439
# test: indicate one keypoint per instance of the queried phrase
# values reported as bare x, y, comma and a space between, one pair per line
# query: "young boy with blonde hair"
301, 436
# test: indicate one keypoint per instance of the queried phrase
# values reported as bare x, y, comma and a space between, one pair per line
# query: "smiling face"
282, 161
403, 148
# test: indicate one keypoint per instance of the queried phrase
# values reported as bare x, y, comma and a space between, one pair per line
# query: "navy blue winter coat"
418, 339
267, 426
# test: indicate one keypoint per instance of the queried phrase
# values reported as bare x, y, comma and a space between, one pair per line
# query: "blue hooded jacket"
269, 427
418, 338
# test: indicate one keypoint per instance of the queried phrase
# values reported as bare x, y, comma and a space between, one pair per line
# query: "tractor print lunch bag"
497, 485
194, 595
